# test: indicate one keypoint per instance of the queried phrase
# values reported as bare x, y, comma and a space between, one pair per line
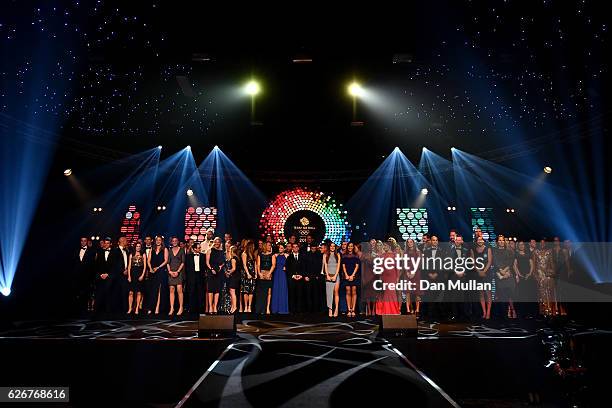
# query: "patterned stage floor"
290, 360
163, 329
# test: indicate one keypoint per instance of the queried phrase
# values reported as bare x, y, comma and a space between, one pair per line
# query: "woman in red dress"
388, 302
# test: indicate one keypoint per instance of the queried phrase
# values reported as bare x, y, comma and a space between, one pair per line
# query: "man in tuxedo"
195, 263
432, 299
450, 245
425, 243
308, 244
82, 280
120, 257
148, 246
312, 278
294, 267
103, 265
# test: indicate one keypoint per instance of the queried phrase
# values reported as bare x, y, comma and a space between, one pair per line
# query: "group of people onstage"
225, 277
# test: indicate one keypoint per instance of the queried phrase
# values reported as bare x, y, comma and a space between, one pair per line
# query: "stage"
291, 361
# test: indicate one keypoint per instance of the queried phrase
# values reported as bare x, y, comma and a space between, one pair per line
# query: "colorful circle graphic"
274, 217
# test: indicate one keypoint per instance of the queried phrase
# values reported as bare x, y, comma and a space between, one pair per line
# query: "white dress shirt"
196, 261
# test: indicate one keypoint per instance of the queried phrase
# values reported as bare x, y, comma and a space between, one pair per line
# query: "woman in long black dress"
526, 291
505, 283
158, 278
215, 261
265, 266
137, 269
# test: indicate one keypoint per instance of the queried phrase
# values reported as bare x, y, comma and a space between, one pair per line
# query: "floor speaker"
398, 325
216, 326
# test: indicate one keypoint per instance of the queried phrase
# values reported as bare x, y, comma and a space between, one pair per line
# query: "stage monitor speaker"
398, 325
216, 326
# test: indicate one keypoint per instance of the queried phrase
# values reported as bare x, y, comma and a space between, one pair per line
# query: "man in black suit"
82, 280
120, 257
294, 267
195, 265
313, 279
434, 274
305, 247
104, 270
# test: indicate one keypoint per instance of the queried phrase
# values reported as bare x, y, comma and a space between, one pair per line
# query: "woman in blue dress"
280, 293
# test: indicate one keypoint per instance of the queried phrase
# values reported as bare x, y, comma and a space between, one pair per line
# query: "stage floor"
283, 361
143, 328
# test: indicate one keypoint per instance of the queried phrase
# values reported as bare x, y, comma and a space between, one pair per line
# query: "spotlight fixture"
97, 209
67, 172
163, 207
5, 291
424, 191
547, 169
301, 58
188, 147
510, 210
189, 192
252, 88
451, 208
159, 147
424, 149
355, 89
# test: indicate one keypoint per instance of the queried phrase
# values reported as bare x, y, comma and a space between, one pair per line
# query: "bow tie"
107, 250
196, 254
83, 247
